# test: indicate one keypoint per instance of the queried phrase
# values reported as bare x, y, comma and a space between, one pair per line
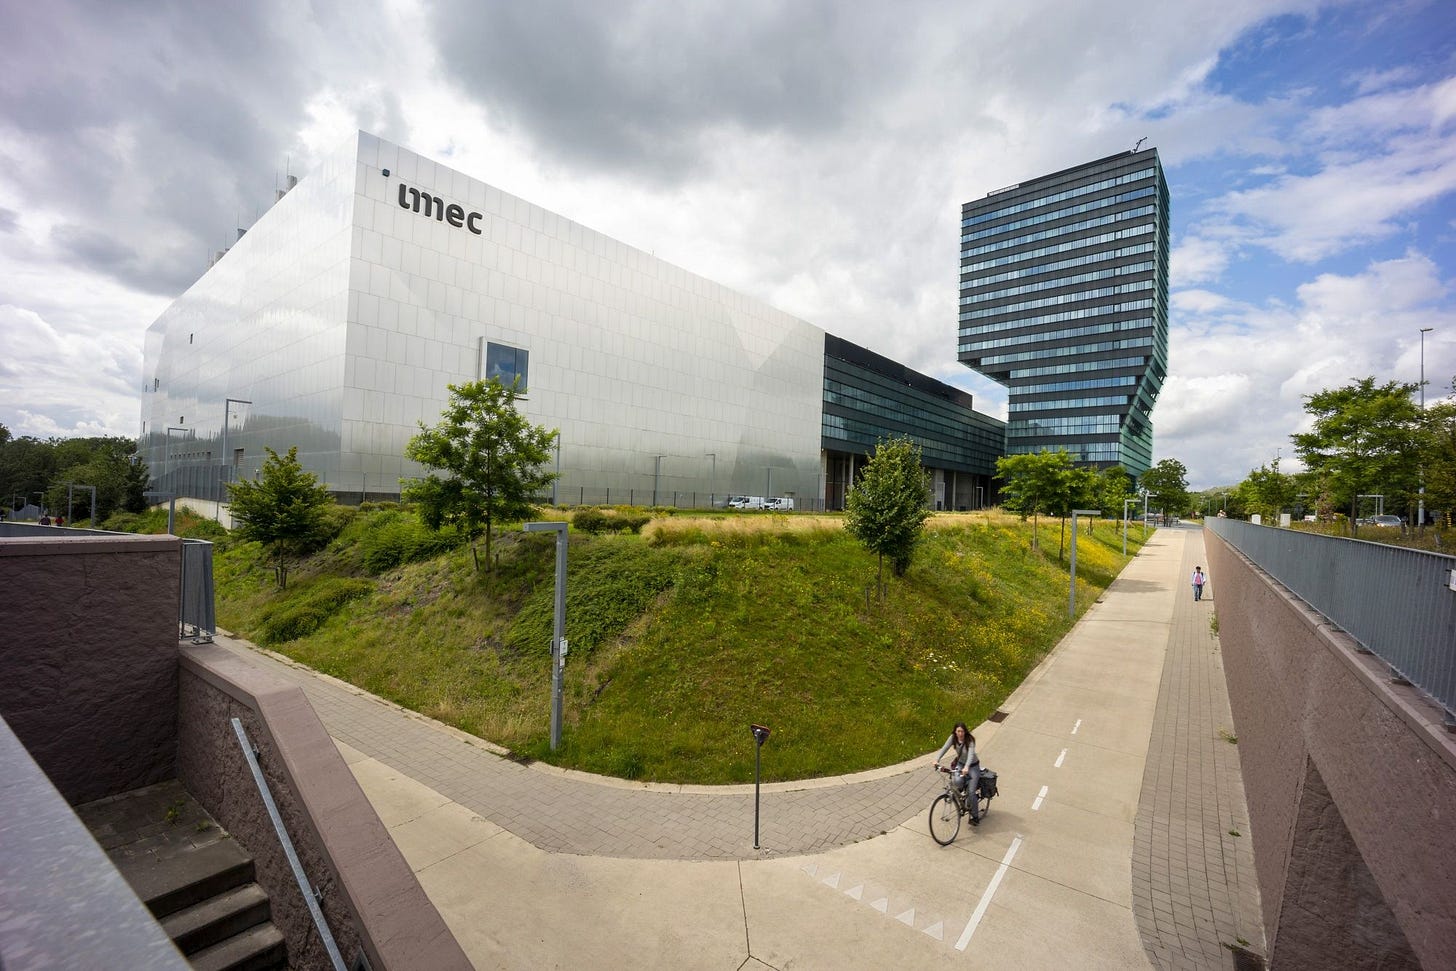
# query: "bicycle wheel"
945, 819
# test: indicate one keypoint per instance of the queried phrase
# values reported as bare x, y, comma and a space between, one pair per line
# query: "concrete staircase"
195, 879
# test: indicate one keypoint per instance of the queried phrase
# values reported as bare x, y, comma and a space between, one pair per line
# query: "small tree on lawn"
1033, 483
889, 504
283, 508
493, 462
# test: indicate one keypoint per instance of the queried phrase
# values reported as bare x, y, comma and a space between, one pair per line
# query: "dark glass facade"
1064, 300
868, 398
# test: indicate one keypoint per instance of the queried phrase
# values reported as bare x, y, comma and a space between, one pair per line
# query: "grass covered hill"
680, 635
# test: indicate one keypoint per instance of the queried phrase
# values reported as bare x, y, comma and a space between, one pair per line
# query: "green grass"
684, 635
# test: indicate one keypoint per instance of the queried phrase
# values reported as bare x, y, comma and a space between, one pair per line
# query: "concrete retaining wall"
1351, 783
372, 900
88, 658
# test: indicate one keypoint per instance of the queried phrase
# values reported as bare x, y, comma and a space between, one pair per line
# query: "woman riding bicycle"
965, 767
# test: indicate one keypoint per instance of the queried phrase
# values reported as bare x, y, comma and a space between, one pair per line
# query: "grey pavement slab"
1101, 850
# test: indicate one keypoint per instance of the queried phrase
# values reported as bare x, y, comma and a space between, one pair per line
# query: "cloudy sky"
812, 153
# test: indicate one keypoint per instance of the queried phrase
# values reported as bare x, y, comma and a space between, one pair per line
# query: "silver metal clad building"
337, 321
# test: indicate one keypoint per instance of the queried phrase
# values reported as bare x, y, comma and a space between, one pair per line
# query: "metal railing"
1399, 604
196, 607
311, 895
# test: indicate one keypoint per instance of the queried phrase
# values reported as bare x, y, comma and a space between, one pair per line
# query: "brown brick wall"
372, 899
88, 658
1351, 784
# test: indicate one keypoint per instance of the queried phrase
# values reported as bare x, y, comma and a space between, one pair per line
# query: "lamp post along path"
558, 624
1072, 591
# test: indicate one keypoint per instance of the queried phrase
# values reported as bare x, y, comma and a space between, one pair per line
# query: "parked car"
1385, 521
781, 504
746, 502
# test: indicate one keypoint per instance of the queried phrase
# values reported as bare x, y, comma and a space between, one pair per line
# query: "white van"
746, 502
782, 504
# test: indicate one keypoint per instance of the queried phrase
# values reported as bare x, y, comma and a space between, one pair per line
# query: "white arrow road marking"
882, 905
1036, 804
831, 881
1076, 726
810, 868
855, 892
986, 897
907, 918
936, 930
1058, 763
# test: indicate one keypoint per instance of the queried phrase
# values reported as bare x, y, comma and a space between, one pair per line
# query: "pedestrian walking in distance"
1199, 579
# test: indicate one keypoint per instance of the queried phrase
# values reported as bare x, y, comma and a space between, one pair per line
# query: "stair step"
258, 948
167, 884
230, 912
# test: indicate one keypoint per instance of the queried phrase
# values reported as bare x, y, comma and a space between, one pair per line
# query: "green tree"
889, 504
1114, 486
1438, 455
1364, 442
284, 509
1267, 491
493, 462
1034, 483
1167, 485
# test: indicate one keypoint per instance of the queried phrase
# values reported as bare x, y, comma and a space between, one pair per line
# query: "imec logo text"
430, 205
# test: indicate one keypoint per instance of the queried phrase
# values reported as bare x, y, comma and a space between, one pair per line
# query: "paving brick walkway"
1194, 885
574, 813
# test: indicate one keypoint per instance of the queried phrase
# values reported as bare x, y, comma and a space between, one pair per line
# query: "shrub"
308, 609
391, 538
595, 520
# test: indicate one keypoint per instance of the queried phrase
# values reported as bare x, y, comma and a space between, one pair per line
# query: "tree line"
1370, 447
36, 472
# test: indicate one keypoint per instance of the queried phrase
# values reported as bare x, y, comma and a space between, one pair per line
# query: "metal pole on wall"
1072, 591
558, 624
226, 466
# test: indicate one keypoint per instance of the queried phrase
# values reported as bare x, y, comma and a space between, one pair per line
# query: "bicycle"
947, 808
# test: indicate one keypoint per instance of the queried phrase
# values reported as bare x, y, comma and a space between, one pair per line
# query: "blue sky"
812, 154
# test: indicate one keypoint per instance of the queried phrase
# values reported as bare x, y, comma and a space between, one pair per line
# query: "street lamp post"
167, 455
1421, 514
226, 466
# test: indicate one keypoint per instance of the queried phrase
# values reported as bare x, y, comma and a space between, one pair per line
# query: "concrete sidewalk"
1091, 855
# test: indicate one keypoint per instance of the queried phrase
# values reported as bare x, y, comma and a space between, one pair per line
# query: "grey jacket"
965, 754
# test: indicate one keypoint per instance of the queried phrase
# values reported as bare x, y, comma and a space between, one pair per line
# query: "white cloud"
1240, 372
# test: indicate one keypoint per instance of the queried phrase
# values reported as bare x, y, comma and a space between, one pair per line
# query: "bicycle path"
538, 867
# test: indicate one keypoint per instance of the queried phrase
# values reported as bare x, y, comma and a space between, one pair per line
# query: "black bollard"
760, 735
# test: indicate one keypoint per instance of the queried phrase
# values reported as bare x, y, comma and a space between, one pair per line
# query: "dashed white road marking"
907, 918
986, 897
1036, 804
936, 930
1058, 763
882, 905
855, 892
831, 881
1076, 726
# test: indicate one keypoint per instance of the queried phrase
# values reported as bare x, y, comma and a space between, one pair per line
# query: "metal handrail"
1399, 604
311, 895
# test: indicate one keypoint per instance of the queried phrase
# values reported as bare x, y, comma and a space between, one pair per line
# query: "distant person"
60, 520
965, 768
1199, 579
45, 520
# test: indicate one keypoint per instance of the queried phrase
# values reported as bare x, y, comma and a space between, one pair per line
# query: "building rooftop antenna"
1139, 143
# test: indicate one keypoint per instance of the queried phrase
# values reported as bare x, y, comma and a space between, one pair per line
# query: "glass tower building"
1064, 300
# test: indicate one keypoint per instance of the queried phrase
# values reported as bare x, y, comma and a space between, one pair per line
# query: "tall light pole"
226, 459
1421, 513
713, 480
167, 455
